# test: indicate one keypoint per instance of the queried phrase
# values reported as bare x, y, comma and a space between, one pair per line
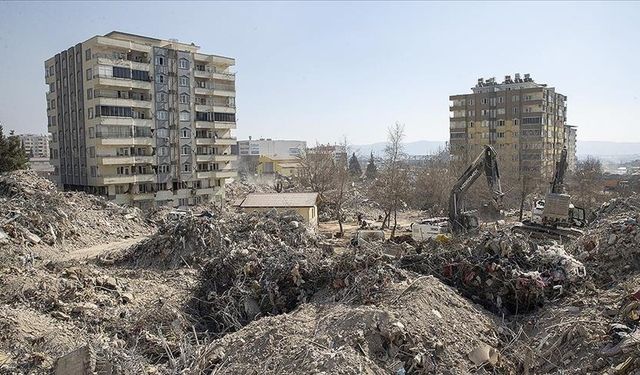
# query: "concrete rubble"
260, 293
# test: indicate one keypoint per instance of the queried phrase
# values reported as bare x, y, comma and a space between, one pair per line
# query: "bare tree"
341, 180
316, 169
393, 181
586, 187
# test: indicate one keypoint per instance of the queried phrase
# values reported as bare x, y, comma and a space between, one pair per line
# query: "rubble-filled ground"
260, 293
38, 221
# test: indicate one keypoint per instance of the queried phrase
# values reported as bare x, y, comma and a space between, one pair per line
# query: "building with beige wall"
523, 120
141, 120
35, 145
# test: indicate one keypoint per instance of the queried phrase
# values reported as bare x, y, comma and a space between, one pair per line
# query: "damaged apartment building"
526, 122
141, 120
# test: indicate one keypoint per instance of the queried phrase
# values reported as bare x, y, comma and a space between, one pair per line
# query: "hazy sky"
325, 70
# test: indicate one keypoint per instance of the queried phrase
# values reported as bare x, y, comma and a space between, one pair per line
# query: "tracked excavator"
555, 216
459, 220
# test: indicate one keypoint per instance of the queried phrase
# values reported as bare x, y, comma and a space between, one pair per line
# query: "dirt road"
94, 251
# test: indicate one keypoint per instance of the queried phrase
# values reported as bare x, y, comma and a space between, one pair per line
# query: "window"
528, 97
186, 150
91, 132
122, 170
185, 133
122, 151
500, 99
501, 111
140, 75
162, 97
120, 72
90, 112
159, 78
515, 121
92, 152
163, 151
89, 93
492, 101
471, 124
164, 168
87, 54
185, 116
159, 60
485, 101
161, 115
184, 80
94, 171
515, 110
515, 98
500, 135
470, 101
471, 113
113, 111
184, 99
162, 133
184, 64
186, 167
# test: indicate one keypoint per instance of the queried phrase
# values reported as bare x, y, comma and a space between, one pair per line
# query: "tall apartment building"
523, 120
141, 120
35, 145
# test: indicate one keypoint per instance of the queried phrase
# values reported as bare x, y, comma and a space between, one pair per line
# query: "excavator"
555, 216
459, 220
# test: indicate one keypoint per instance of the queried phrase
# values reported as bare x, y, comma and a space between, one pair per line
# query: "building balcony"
215, 125
106, 140
124, 45
120, 102
207, 191
121, 82
216, 107
143, 196
215, 158
108, 59
225, 141
126, 179
124, 160
50, 79
125, 121
217, 174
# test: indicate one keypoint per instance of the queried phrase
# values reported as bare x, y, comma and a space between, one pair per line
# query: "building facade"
35, 145
570, 141
141, 120
272, 148
523, 120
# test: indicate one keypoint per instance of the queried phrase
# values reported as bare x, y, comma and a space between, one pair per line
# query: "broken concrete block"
33, 238
484, 353
126, 297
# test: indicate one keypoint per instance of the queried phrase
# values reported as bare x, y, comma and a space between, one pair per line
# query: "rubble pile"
194, 240
35, 213
240, 189
129, 317
593, 331
505, 272
611, 246
417, 326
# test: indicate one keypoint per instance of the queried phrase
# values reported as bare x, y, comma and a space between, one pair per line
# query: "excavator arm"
485, 162
557, 185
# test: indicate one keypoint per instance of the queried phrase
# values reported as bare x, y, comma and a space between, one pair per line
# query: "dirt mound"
505, 272
611, 246
418, 327
194, 240
36, 216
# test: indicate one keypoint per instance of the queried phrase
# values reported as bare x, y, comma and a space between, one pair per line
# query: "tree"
354, 166
316, 169
586, 185
12, 155
372, 171
394, 181
341, 179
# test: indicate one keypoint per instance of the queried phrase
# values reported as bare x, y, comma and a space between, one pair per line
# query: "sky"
323, 71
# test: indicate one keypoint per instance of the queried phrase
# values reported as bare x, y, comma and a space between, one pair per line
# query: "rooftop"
272, 200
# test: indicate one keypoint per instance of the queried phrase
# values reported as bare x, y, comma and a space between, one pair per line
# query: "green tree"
12, 155
354, 166
371, 171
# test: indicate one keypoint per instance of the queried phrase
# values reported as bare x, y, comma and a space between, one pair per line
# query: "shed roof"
280, 200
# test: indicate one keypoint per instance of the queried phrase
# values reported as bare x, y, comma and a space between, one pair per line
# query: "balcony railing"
120, 56
106, 135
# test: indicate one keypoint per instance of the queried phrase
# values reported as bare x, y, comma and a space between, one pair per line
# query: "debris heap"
505, 272
35, 213
611, 246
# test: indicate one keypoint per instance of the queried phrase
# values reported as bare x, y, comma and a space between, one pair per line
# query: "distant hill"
617, 150
411, 148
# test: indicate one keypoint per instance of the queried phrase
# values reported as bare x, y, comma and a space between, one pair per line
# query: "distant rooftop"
273, 200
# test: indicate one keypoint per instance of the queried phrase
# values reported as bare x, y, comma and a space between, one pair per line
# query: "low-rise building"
304, 204
283, 166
